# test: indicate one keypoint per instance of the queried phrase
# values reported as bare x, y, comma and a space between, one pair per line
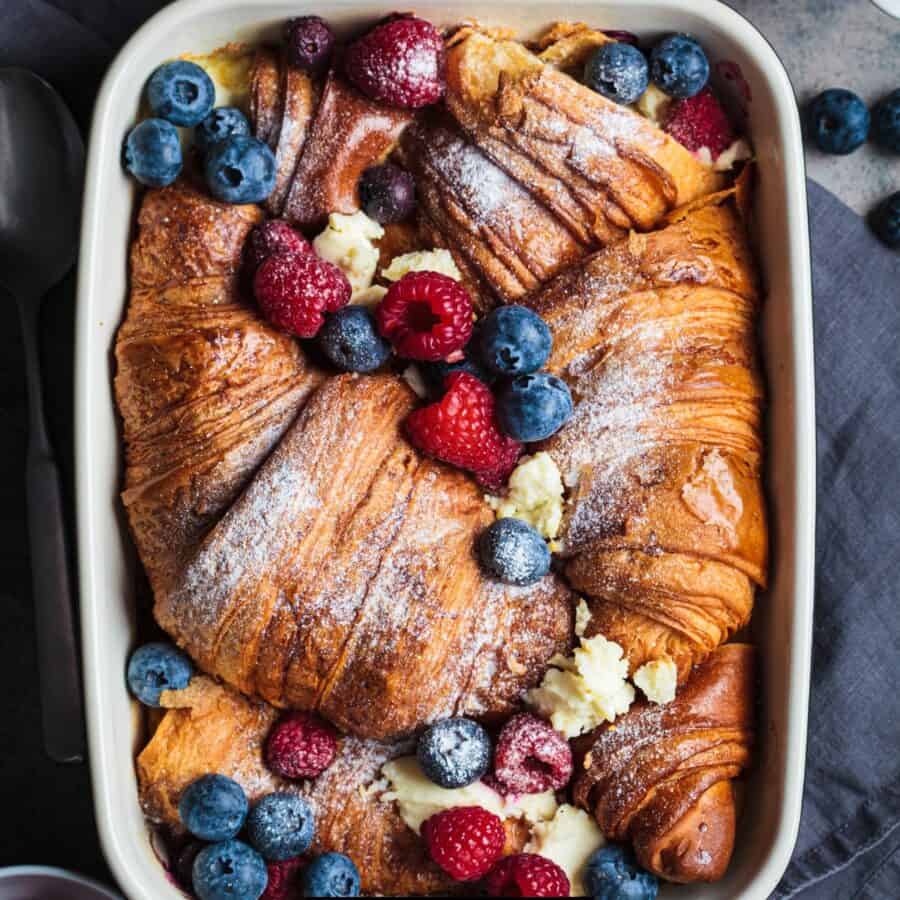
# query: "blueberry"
387, 193
618, 71
240, 169
331, 875
513, 340
281, 826
886, 220
181, 92
838, 121
886, 121
152, 152
221, 123
309, 42
532, 407
454, 752
613, 874
213, 808
229, 871
513, 552
184, 863
434, 373
350, 340
678, 66
155, 668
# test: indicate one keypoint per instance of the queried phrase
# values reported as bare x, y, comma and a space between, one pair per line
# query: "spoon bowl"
40, 184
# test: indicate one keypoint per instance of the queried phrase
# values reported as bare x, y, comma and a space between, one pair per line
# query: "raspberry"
284, 879
527, 875
399, 62
426, 316
295, 290
700, 122
465, 841
461, 429
531, 757
300, 745
272, 238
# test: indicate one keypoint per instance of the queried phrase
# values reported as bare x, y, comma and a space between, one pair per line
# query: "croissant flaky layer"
665, 522
339, 574
600, 167
344, 579
661, 775
205, 388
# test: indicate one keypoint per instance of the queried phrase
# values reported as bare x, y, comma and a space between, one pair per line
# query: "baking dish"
783, 616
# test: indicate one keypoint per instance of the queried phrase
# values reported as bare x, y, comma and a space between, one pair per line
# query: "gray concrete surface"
837, 43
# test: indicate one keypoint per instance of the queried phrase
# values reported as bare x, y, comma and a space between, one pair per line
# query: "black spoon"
40, 208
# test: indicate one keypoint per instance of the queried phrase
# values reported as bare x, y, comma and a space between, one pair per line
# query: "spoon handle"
62, 712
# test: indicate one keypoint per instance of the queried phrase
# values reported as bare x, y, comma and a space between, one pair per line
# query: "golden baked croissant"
665, 521
343, 578
661, 775
196, 425
492, 225
324, 137
600, 167
211, 728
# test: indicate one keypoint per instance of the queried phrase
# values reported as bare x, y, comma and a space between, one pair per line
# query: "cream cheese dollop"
347, 241
417, 798
535, 494
569, 839
439, 260
658, 680
586, 689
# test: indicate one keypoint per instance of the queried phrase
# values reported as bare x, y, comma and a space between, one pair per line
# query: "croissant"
600, 167
324, 137
211, 728
339, 574
665, 522
491, 224
661, 775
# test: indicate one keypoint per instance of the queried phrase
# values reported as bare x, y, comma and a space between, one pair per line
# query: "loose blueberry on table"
838, 121
886, 121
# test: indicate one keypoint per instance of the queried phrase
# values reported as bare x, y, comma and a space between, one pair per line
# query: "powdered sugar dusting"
603, 448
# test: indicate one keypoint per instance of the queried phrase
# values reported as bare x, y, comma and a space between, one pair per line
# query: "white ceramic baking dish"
782, 620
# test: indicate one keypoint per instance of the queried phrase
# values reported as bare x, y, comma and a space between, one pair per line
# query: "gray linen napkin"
849, 843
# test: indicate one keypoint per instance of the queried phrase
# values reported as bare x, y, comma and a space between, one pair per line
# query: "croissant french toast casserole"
441, 413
